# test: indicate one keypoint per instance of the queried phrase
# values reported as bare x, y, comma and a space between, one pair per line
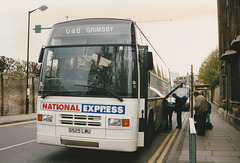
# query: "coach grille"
67, 116
94, 124
80, 120
66, 122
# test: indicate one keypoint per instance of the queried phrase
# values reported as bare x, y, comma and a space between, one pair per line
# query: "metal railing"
192, 141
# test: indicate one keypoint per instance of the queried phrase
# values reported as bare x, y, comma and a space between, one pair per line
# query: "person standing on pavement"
209, 111
201, 110
178, 109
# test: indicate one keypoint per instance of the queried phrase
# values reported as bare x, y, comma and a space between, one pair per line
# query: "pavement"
219, 145
17, 118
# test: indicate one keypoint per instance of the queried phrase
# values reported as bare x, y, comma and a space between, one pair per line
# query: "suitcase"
208, 126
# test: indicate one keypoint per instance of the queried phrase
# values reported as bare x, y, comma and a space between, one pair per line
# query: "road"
18, 144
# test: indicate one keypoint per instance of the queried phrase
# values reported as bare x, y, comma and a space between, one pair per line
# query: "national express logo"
84, 108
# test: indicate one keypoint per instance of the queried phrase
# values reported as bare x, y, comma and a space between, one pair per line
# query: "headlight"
45, 118
118, 122
114, 122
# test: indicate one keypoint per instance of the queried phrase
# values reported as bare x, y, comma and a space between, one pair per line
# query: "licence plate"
79, 130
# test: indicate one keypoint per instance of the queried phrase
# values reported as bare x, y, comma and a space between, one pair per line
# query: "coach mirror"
41, 54
148, 59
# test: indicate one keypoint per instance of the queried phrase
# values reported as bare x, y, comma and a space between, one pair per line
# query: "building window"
235, 78
223, 69
232, 7
228, 18
224, 88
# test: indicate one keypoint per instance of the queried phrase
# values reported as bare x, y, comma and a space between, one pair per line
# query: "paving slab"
222, 159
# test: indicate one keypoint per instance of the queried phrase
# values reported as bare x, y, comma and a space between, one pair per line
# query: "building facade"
229, 51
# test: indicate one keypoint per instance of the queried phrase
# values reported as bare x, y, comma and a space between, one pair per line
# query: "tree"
7, 64
21, 67
12, 66
209, 70
3, 63
34, 68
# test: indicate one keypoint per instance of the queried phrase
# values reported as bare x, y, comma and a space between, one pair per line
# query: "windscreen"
89, 71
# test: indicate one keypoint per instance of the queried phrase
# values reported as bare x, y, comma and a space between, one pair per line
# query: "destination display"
91, 34
97, 29
91, 30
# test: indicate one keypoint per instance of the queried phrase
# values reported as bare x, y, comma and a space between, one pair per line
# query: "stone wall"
232, 118
13, 94
216, 95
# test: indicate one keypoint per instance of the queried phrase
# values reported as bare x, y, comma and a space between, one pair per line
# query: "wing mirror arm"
41, 55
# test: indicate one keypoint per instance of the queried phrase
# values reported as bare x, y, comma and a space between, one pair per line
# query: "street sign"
38, 28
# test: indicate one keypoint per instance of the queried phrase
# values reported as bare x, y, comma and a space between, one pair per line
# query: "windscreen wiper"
50, 93
115, 95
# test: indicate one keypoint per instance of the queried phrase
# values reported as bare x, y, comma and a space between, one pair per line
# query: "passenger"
178, 109
167, 112
201, 110
209, 112
208, 124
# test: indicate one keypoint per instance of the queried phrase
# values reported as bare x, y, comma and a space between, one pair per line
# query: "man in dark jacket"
178, 107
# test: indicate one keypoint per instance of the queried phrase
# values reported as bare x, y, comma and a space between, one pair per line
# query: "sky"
184, 32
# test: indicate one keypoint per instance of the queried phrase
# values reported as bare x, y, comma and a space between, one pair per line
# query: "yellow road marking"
19, 123
153, 158
162, 156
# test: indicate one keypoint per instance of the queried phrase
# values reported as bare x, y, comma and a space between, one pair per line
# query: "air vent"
80, 120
